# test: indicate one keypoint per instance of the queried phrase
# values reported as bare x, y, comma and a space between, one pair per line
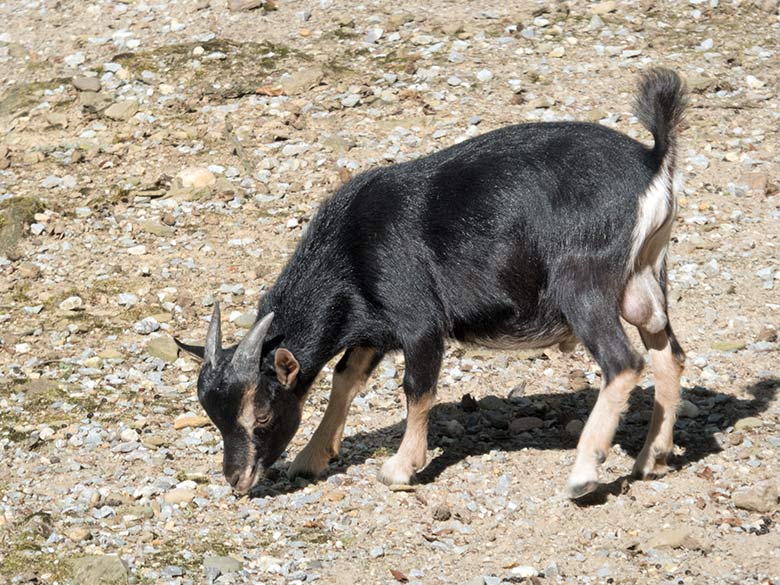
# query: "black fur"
660, 107
522, 234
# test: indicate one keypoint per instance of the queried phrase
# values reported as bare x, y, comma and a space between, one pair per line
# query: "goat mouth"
250, 479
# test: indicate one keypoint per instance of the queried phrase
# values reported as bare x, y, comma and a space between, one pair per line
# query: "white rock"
74, 60
129, 435
350, 101
373, 35
294, 149
484, 75
146, 326
196, 178
71, 303
525, 571
51, 182
127, 299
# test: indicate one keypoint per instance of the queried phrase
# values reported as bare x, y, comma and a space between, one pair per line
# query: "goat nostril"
233, 477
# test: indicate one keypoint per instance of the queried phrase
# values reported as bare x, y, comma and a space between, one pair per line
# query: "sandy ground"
109, 474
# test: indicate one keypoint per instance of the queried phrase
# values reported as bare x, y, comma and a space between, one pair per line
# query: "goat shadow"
486, 429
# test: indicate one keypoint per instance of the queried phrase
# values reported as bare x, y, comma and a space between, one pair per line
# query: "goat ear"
213, 347
286, 365
250, 349
196, 351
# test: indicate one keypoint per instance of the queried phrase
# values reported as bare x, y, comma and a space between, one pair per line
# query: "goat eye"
263, 419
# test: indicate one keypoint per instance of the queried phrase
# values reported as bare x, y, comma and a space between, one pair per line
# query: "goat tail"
660, 107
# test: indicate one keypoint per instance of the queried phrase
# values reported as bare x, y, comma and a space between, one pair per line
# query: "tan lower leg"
412, 453
660, 437
325, 443
596, 438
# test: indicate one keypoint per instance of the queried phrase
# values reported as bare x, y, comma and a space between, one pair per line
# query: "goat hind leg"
598, 326
667, 360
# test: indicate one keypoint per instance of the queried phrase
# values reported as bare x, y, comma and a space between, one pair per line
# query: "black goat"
528, 236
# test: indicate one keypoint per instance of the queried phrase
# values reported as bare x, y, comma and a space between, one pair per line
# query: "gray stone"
241, 5
351, 100
294, 149
302, 80
453, 428
73, 303
172, 571
759, 498
179, 496
750, 422
215, 566
574, 427
146, 326
246, 320
127, 299
157, 228
551, 570
28, 270
492, 403
688, 409
674, 538
497, 419
98, 570
525, 423
51, 182
373, 35
603, 7
442, 513
122, 111
164, 348
86, 83
75, 59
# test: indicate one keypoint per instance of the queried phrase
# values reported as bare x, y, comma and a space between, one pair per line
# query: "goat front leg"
349, 378
423, 361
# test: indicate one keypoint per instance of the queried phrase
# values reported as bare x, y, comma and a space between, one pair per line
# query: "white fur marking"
657, 206
246, 420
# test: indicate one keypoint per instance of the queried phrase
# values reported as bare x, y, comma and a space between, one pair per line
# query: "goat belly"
524, 337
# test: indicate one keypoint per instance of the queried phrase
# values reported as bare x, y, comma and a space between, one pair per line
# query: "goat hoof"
308, 474
308, 466
656, 471
647, 467
396, 472
581, 490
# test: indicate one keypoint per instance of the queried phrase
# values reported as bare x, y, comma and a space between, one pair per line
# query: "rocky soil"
156, 157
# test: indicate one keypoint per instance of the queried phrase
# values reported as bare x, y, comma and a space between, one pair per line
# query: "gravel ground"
156, 157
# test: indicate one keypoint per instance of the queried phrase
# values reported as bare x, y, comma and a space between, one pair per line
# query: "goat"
527, 236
